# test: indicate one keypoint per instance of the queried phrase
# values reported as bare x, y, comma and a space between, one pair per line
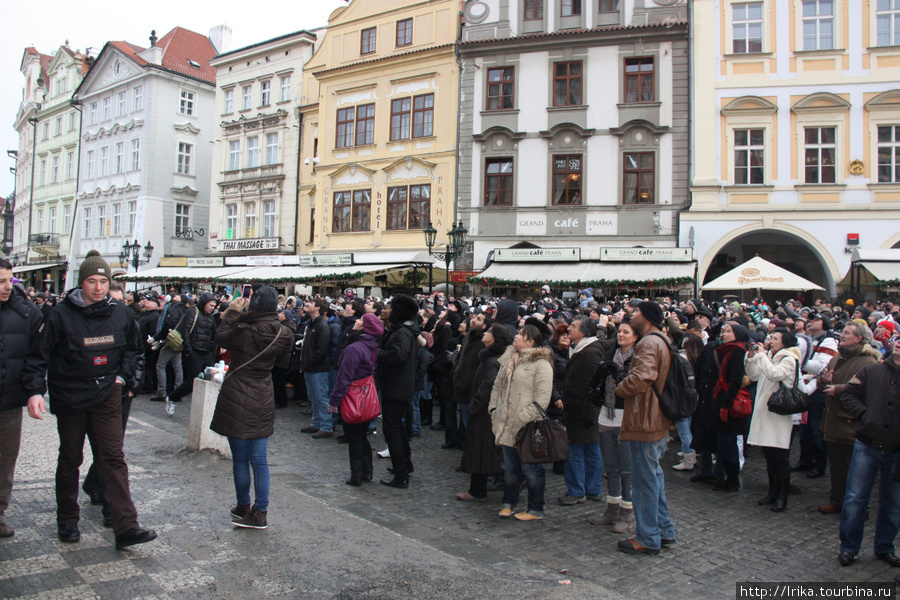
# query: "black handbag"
542, 441
789, 400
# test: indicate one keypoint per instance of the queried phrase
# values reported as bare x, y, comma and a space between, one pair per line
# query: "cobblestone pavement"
329, 540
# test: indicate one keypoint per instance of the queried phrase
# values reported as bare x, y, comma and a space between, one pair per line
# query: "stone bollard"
203, 404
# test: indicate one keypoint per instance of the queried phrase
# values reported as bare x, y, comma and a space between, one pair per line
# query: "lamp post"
456, 240
131, 254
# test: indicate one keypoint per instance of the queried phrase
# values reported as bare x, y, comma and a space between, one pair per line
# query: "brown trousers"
10, 437
105, 424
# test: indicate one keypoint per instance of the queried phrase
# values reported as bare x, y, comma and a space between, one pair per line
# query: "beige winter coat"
767, 428
531, 381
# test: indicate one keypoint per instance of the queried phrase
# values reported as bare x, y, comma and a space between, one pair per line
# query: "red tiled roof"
130, 50
182, 45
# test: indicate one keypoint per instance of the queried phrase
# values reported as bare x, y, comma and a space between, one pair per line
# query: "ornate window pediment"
889, 100
820, 102
352, 174
749, 105
634, 124
410, 168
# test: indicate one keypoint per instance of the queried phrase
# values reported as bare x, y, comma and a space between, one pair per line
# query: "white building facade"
796, 150
255, 158
573, 128
146, 149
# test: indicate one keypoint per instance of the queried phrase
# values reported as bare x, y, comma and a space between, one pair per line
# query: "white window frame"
286, 88
271, 148
229, 101
138, 98
104, 161
234, 155
59, 125
54, 169
247, 101
185, 152
88, 224
249, 220
89, 165
120, 157
887, 23
182, 217
46, 131
268, 219
819, 146
135, 154
101, 220
67, 218
40, 221
818, 20
893, 145
131, 216
70, 165
744, 23
252, 152
73, 121
117, 219
93, 113
51, 227
265, 93
123, 103
107, 108
186, 103
231, 221
43, 177
748, 149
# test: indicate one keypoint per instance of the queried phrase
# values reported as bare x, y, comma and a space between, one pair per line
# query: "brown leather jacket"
643, 420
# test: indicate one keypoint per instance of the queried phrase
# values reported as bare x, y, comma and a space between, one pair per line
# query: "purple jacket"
355, 363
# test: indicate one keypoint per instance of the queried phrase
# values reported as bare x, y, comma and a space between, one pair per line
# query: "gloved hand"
332, 409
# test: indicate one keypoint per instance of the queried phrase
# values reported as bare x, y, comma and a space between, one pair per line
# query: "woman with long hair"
728, 425
481, 456
245, 410
616, 455
769, 430
525, 379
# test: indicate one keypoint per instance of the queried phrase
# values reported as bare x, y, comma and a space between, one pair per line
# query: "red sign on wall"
462, 276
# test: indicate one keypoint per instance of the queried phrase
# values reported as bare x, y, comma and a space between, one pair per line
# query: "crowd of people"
492, 365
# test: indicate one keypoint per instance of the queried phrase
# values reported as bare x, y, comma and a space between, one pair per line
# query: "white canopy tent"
758, 273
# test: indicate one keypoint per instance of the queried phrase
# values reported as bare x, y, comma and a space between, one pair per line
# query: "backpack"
678, 399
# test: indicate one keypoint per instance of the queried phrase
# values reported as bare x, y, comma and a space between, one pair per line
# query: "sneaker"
505, 512
170, 407
255, 519
386, 453
527, 515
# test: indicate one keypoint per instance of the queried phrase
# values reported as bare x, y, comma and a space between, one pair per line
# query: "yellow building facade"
796, 143
379, 129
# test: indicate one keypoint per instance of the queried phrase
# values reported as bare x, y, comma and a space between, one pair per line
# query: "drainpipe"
297, 183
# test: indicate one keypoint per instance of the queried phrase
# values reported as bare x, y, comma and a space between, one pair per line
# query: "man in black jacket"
88, 349
21, 382
198, 345
873, 397
314, 362
396, 379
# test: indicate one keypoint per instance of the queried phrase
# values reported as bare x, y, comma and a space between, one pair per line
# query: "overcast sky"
48, 25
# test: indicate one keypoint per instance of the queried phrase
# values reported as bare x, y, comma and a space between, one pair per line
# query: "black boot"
356, 473
397, 482
782, 484
773, 492
367, 466
732, 481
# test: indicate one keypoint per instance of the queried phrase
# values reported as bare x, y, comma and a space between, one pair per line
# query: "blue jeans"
617, 460
584, 470
244, 454
865, 465
651, 512
514, 471
684, 433
416, 414
318, 391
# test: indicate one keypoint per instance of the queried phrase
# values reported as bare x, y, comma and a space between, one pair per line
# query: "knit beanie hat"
652, 312
372, 325
93, 265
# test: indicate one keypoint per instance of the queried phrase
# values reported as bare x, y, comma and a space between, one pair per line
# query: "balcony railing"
44, 242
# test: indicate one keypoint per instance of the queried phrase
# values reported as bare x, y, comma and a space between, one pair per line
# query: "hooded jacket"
245, 409
463, 373
396, 374
580, 415
84, 348
20, 374
204, 330
356, 363
512, 401
508, 315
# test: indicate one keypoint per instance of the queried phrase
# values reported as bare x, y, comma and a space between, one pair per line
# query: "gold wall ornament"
856, 167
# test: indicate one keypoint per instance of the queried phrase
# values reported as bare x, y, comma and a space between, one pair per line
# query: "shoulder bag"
244, 364
542, 441
789, 400
173, 339
360, 404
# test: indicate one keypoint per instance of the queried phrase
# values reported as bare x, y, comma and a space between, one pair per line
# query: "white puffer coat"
767, 428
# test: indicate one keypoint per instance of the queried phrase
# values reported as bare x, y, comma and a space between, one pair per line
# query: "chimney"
220, 38
153, 54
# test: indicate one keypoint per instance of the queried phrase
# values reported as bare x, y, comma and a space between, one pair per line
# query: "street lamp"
456, 240
131, 254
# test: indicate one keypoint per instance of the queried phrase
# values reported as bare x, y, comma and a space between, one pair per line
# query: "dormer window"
194, 64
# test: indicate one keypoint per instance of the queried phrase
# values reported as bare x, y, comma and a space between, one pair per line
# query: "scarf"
724, 351
609, 400
584, 343
508, 370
